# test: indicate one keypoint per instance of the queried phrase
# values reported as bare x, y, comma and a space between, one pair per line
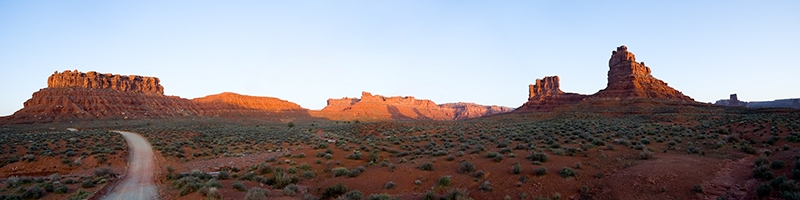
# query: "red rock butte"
628, 80
377, 107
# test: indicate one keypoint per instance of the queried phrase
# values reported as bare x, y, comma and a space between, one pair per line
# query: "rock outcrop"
628, 81
94, 80
376, 107
546, 94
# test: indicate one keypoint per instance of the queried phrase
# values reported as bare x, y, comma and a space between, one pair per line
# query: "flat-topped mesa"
94, 80
377, 107
628, 79
547, 86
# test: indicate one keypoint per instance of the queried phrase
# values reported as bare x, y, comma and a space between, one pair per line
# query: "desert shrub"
777, 164
213, 194
567, 172
645, 155
103, 172
541, 171
256, 193
444, 181
354, 195
214, 183
80, 194
238, 185
339, 171
760, 161
537, 157
697, 188
61, 189
516, 168
308, 174
748, 149
88, 183
380, 197
426, 166
224, 175
355, 156
334, 191
485, 186
34, 192
498, 157
299, 155
353, 173
762, 172
763, 190
479, 174
290, 190
70, 181
466, 167
451, 158
264, 168
389, 185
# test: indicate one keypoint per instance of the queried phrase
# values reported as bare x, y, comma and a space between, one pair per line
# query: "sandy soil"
138, 182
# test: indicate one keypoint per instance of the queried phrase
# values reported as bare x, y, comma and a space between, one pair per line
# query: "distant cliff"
779, 103
94, 80
377, 107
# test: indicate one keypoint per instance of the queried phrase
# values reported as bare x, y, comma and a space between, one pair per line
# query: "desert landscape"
108, 136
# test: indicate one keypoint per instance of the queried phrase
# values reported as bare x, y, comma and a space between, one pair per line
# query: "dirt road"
138, 182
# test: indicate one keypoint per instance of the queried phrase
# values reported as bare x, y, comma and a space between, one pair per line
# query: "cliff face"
376, 107
94, 80
628, 80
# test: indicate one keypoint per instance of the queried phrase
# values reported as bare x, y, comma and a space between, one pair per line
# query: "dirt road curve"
139, 182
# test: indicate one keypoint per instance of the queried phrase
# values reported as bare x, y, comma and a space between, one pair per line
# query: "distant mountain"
779, 103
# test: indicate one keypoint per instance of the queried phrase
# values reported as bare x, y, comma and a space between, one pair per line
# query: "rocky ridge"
377, 107
94, 80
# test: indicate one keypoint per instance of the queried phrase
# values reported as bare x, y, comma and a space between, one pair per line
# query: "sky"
485, 52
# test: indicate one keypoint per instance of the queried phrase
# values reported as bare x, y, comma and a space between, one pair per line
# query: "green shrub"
88, 183
763, 190
308, 174
697, 188
444, 181
567, 172
256, 193
486, 187
777, 164
224, 175
516, 168
34, 192
380, 197
537, 157
541, 171
466, 167
426, 166
61, 189
354, 195
334, 191
339, 171
389, 185
238, 185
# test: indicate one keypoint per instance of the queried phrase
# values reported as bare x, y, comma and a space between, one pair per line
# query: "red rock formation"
376, 107
628, 79
94, 80
546, 95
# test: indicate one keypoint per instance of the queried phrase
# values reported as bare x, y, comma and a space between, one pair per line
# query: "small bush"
353, 173
34, 192
697, 188
334, 191
763, 190
103, 172
354, 195
308, 174
777, 164
88, 183
389, 185
537, 157
466, 167
339, 171
256, 193
541, 171
516, 168
486, 187
238, 185
444, 181
224, 175
567, 172
61, 189
426, 166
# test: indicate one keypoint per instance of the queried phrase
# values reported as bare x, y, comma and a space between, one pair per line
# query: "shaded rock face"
94, 80
627, 80
376, 107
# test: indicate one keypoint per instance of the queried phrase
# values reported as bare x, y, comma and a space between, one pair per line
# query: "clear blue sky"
446, 51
